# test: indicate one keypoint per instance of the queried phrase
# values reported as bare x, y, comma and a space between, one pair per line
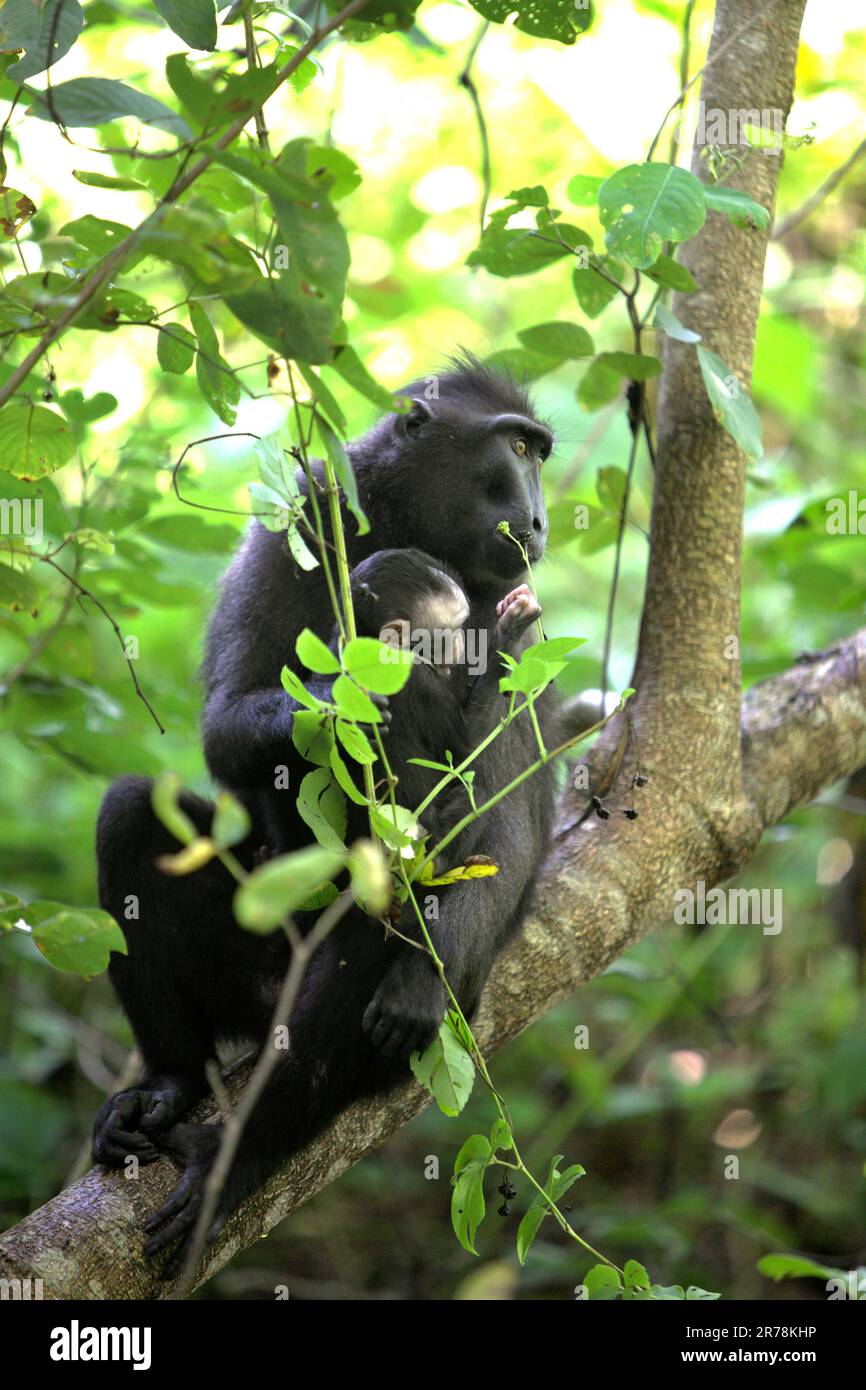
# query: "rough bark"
721, 768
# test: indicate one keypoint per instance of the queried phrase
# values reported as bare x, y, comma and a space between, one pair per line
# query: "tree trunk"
722, 768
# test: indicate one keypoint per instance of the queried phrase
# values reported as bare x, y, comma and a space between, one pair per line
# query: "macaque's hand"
514, 614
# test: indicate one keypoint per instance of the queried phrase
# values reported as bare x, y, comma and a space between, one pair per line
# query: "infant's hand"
515, 613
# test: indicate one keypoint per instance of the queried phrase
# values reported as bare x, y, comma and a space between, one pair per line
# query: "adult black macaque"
439, 479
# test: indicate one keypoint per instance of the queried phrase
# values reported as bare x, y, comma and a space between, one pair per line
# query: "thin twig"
614, 583
85, 593
304, 949
253, 63
467, 81
685, 53
830, 183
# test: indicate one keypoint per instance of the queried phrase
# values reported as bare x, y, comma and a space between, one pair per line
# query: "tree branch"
801, 731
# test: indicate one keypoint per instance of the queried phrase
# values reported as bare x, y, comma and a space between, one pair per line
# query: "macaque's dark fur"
438, 480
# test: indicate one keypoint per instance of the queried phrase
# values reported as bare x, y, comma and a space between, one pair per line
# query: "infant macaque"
411, 601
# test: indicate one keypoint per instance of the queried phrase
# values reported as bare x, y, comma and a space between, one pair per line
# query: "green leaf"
583, 189
18, 593
32, 27
377, 666
795, 1267
298, 309
16, 209
320, 897
175, 348
666, 319
92, 101
377, 15
599, 385
231, 821
280, 886
78, 941
560, 341
672, 275
446, 1070
311, 650
372, 886
731, 403
164, 800
603, 1283
218, 384
534, 197
194, 21
34, 441
636, 366
115, 181
322, 806
397, 826
553, 649
556, 1185
742, 210
610, 484
594, 293
353, 704
562, 20
510, 251
86, 411
293, 323
522, 365
199, 243
355, 742
344, 778
96, 234
500, 1136
298, 691
313, 736
528, 1228
92, 540
467, 1200
635, 1275
529, 674
644, 205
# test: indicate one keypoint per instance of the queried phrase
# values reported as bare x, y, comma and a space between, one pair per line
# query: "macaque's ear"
412, 422
396, 633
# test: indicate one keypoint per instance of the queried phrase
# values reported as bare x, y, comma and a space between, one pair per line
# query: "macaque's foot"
193, 1148
515, 613
407, 1009
128, 1124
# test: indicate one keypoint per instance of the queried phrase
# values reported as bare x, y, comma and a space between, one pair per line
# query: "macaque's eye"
520, 446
